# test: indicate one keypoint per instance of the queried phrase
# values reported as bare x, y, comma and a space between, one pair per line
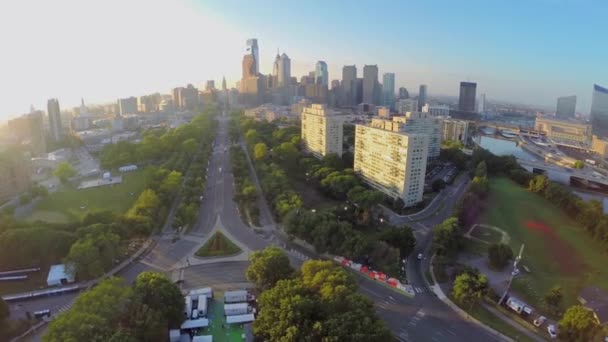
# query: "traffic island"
218, 245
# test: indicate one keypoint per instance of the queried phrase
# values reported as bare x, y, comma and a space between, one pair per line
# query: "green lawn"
70, 204
557, 250
218, 245
221, 331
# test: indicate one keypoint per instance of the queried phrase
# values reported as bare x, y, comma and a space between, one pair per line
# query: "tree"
267, 267
481, 170
64, 171
539, 183
159, 293
91, 256
437, 185
260, 151
470, 288
319, 305
288, 154
94, 316
445, 237
578, 324
189, 146
401, 238
499, 255
333, 160
579, 164
554, 297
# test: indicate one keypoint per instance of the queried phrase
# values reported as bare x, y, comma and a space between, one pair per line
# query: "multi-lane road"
422, 318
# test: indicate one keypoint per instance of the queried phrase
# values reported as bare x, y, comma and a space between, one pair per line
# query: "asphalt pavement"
422, 318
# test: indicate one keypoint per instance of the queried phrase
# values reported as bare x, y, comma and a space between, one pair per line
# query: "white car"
539, 321
552, 330
419, 256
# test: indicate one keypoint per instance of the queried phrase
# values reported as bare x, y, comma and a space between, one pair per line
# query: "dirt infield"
570, 262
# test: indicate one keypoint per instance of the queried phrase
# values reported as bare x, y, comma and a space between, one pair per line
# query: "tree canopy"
320, 304
578, 324
113, 311
499, 255
470, 288
64, 171
267, 267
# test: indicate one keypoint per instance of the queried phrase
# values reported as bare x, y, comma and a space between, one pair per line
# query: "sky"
528, 51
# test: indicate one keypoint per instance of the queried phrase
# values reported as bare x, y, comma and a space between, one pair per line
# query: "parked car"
552, 330
539, 321
420, 256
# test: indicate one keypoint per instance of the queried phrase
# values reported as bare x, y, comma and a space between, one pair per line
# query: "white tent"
58, 275
240, 319
195, 323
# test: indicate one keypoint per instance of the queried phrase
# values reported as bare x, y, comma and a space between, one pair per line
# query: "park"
557, 251
70, 204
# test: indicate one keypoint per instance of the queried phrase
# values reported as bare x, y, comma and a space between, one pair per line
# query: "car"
552, 330
420, 256
539, 321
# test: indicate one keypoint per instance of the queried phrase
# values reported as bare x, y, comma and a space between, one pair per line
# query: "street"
422, 318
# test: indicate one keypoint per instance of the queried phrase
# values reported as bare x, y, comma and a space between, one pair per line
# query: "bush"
499, 255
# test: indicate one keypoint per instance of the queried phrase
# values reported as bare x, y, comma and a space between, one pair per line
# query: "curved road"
422, 318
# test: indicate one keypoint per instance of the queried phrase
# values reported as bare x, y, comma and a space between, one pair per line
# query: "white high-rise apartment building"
423, 123
390, 160
322, 130
455, 130
406, 105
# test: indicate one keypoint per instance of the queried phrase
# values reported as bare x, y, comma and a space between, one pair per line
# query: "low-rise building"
600, 146
391, 160
322, 130
268, 112
564, 131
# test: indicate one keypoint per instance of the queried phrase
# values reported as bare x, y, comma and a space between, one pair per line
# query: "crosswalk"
64, 308
420, 289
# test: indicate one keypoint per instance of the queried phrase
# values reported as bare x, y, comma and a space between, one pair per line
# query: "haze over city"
527, 52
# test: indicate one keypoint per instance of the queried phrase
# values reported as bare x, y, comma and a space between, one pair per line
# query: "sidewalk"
442, 296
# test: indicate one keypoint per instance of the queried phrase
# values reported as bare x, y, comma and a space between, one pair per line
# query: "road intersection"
421, 318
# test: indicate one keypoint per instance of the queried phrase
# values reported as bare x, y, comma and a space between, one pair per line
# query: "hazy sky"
529, 51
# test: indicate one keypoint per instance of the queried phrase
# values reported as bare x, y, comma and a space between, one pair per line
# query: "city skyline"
85, 62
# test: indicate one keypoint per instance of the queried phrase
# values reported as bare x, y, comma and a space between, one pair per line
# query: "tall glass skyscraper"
349, 85
321, 74
388, 89
370, 84
466, 101
599, 110
421, 97
252, 48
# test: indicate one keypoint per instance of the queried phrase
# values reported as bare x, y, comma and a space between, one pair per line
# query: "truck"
236, 309
202, 306
237, 296
207, 291
188, 307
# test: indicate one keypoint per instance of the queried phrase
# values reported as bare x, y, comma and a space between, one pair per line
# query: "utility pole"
513, 273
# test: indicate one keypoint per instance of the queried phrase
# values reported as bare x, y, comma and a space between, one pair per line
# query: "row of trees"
329, 232
114, 311
245, 194
274, 151
194, 184
318, 303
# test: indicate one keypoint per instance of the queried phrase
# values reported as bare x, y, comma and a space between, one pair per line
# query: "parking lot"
446, 172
